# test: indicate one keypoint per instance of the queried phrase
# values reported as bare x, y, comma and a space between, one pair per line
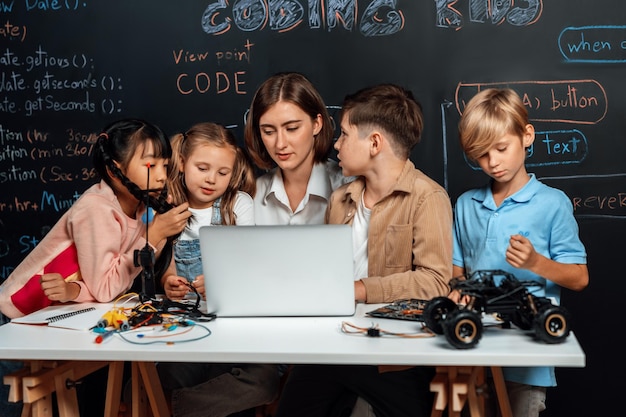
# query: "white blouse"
271, 205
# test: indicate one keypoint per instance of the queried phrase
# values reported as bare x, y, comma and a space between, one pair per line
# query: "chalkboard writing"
597, 44
69, 67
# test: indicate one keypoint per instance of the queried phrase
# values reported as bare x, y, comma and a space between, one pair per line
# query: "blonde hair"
487, 117
242, 179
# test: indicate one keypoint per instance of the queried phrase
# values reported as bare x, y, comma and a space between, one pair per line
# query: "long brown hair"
297, 89
242, 179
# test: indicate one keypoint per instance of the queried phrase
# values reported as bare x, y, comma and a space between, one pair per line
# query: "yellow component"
114, 318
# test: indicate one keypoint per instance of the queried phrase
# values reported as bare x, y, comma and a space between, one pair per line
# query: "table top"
291, 340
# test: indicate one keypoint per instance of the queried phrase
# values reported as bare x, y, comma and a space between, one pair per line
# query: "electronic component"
409, 309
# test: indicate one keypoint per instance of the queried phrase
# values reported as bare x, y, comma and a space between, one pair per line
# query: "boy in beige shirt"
402, 236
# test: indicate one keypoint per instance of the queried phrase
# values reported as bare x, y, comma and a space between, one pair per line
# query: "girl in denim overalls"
214, 175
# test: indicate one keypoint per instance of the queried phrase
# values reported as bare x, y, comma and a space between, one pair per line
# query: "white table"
291, 340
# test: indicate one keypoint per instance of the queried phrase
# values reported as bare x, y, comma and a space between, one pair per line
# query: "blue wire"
208, 333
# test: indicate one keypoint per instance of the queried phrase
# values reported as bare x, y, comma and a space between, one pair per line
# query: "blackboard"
69, 67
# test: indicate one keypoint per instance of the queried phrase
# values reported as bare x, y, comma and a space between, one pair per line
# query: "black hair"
118, 143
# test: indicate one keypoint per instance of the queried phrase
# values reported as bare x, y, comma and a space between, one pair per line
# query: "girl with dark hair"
88, 255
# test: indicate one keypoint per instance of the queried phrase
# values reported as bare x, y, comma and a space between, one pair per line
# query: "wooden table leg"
146, 384
439, 385
455, 387
138, 394
14, 381
475, 401
503, 396
114, 389
39, 400
36, 382
154, 390
67, 400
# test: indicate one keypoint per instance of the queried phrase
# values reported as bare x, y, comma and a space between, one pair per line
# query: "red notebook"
31, 297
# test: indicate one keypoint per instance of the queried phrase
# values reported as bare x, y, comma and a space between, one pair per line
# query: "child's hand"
198, 284
170, 223
455, 295
175, 287
56, 289
521, 253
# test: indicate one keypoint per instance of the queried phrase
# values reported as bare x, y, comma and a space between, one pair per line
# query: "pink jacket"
93, 243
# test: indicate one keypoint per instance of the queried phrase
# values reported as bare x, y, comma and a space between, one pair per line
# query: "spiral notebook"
75, 316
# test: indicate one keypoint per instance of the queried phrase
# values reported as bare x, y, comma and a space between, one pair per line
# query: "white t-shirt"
360, 229
244, 210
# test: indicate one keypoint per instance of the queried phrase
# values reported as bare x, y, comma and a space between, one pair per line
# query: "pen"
102, 337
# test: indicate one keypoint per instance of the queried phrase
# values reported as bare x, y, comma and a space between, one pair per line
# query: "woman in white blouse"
289, 134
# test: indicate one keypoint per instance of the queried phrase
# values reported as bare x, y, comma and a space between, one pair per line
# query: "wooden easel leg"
27, 411
476, 402
114, 389
67, 400
460, 386
439, 386
456, 386
42, 407
503, 396
139, 406
14, 381
153, 388
38, 380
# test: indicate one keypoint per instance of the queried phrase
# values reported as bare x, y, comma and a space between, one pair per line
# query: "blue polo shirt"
481, 236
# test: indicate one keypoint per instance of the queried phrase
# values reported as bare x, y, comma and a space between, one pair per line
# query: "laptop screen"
303, 270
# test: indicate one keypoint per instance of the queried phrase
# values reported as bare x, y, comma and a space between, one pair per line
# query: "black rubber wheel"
552, 324
435, 311
463, 328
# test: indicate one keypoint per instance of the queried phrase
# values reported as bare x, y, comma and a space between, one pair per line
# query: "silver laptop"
262, 271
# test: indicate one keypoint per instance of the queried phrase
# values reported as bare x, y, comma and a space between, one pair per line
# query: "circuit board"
409, 309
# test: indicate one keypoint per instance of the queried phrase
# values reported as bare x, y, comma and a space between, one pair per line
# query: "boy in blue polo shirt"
515, 223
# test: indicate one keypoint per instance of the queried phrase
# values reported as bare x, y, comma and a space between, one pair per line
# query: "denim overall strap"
216, 218
187, 259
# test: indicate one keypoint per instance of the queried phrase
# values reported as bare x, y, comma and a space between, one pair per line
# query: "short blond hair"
487, 117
